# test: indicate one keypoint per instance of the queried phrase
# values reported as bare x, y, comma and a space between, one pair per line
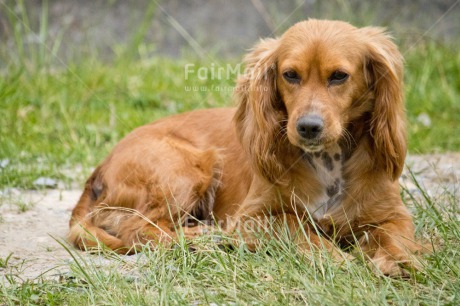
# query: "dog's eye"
337, 77
292, 77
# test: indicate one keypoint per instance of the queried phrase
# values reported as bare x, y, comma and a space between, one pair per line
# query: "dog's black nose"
310, 126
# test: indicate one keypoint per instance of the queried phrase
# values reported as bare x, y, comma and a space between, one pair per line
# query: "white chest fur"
328, 166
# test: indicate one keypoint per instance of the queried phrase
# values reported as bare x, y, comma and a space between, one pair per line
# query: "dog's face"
321, 82
317, 80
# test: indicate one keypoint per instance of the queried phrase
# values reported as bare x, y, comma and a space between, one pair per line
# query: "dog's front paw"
387, 267
394, 267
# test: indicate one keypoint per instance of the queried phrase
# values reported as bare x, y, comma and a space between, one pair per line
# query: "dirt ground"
30, 238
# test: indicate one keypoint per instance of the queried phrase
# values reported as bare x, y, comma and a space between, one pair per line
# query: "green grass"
58, 118
433, 88
55, 118
275, 275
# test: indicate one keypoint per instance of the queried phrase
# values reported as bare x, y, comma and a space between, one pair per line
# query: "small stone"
45, 182
10, 192
424, 119
172, 268
4, 163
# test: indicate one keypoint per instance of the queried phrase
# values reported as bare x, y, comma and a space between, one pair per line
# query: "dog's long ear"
384, 73
259, 112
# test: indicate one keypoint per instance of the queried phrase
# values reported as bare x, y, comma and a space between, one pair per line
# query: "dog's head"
305, 88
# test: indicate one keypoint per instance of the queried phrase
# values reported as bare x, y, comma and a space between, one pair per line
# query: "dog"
316, 142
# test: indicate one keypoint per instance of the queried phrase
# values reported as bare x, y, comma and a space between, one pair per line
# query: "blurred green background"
76, 76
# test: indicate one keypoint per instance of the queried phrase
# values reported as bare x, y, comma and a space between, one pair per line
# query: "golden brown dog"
317, 141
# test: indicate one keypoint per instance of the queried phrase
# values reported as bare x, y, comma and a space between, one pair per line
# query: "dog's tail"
83, 233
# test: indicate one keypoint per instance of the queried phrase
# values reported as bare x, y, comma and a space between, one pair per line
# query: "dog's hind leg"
146, 200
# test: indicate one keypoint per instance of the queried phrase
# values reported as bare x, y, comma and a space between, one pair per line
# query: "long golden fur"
324, 99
